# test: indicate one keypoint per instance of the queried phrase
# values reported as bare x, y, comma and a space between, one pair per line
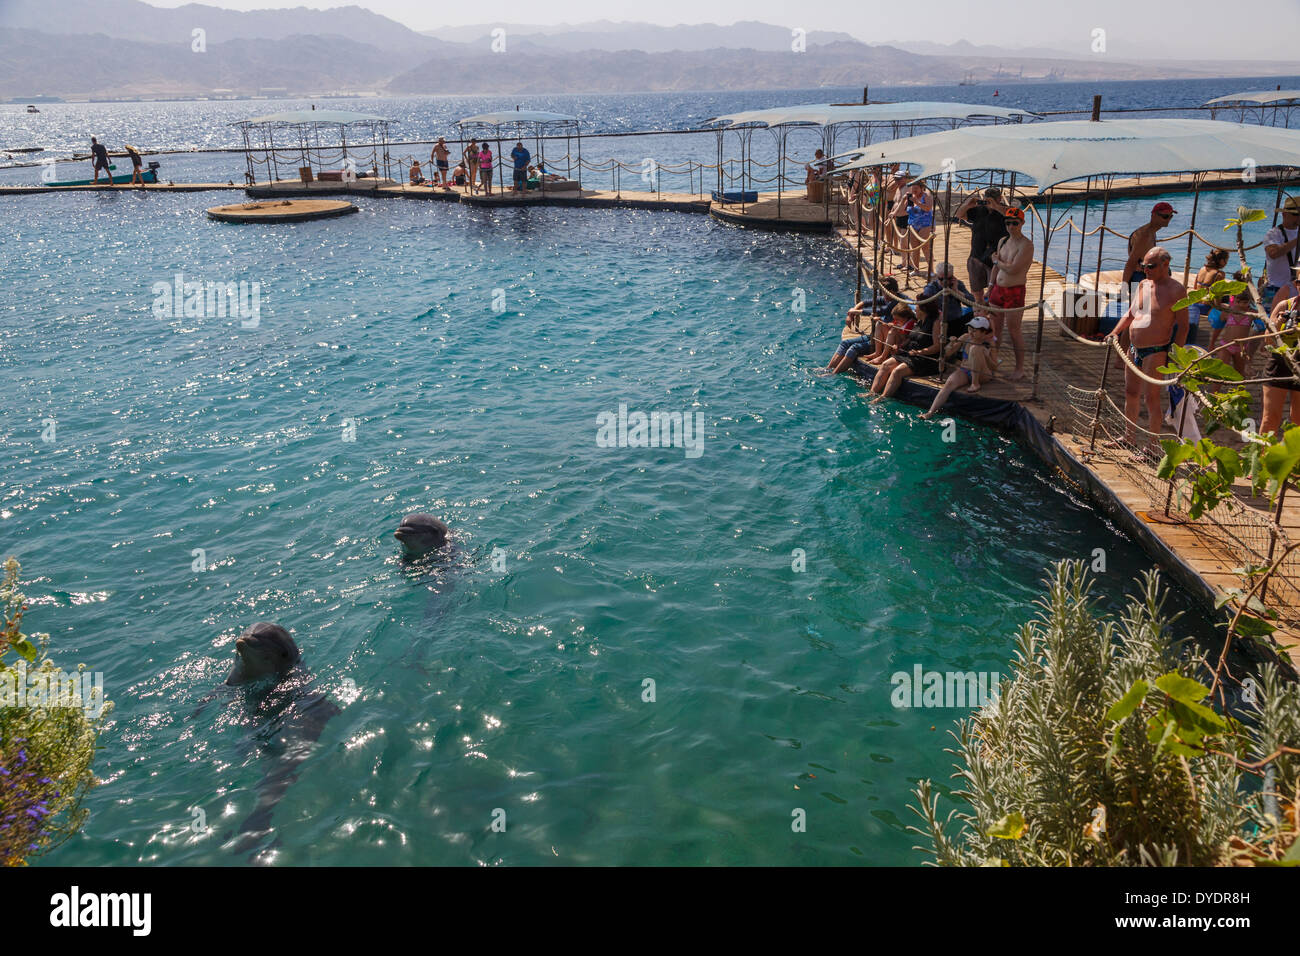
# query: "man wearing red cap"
1143, 238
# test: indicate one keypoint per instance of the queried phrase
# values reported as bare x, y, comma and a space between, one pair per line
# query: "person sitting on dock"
417, 177
99, 156
521, 158
984, 214
883, 337
978, 361
485, 168
818, 168
440, 154
459, 176
917, 355
946, 284
1152, 326
1142, 239
1008, 275
137, 165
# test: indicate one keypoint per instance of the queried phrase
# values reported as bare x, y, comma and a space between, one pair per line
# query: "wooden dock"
1200, 555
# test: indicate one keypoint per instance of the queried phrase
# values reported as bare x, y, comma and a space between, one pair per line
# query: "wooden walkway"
1202, 554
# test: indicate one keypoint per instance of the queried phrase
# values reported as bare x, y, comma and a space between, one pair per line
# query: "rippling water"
468, 689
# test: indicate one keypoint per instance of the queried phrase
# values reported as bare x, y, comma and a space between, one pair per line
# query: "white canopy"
520, 118
1260, 97
828, 114
313, 117
1051, 153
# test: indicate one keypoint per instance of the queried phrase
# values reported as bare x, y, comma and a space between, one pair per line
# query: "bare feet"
973, 387
1017, 375
927, 415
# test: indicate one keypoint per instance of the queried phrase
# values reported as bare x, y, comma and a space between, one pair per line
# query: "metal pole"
1197, 179
1042, 284
1101, 391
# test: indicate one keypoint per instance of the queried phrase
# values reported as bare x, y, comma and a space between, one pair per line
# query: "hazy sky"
1170, 29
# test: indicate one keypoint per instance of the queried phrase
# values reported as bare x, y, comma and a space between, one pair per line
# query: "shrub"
45, 751
1100, 751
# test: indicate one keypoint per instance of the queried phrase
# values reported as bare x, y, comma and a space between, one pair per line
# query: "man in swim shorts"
440, 155
1011, 261
1142, 239
1152, 326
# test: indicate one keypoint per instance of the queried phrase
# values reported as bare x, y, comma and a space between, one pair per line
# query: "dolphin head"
420, 534
263, 650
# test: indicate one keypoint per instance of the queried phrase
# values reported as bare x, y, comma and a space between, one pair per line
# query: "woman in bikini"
471, 162
1210, 273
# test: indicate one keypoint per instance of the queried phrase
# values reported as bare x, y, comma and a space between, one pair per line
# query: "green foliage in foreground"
45, 752
1101, 751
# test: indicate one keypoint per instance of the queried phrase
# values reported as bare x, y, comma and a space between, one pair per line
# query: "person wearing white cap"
978, 362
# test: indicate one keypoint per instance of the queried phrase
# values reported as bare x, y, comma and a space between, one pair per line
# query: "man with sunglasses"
1008, 275
1152, 326
1143, 238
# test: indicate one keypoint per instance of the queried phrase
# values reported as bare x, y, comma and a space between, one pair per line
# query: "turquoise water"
471, 689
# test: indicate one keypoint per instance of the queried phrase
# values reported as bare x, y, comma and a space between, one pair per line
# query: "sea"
668, 652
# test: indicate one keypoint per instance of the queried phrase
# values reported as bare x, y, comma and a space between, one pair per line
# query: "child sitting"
978, 362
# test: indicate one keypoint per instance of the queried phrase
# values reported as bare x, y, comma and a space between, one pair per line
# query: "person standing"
521, 158
137, 166
99, 156
984, 214
1153, 327
1280, 250
1142, 240
1007, 277
471, 162
485, 167
440, 156
1282, 394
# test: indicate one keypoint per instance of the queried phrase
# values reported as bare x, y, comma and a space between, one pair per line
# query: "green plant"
1101, 751
46, 752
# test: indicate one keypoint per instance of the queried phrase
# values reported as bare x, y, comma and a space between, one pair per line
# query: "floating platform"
282, 210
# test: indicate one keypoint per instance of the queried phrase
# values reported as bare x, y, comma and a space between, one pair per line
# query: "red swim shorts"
1002, 297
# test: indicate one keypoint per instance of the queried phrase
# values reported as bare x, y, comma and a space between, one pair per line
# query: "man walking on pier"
99, 156
1153, 326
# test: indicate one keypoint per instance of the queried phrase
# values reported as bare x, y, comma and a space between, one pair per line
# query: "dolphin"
420, 534
269, 663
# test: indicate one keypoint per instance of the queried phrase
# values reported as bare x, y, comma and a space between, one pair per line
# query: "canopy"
520, 118
309, 117
1051, 153
1260, 97
829, 114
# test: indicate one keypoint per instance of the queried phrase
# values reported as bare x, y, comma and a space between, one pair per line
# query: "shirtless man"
1143, 238
439, 155
1153, 326
1007, 277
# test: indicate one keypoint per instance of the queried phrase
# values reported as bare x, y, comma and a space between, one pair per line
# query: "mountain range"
126, 49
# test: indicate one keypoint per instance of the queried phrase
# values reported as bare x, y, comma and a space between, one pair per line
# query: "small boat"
32, 109
49, 177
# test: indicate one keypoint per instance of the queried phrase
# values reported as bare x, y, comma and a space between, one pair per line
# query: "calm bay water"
467, 689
